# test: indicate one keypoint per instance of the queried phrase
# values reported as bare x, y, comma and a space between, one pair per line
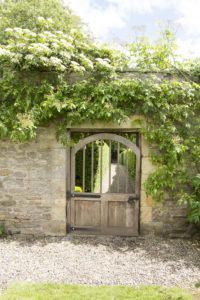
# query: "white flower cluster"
66, 55
50, 50
76, 67
39, 48
25, 120
103, 62
86, 62
20, 33
29, 57
57, 63
16, 58
52, 62
65, 44
4, 52
43, 21
10, 56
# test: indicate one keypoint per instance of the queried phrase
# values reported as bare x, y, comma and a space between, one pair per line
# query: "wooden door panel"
116, 214
87, 213
121, 214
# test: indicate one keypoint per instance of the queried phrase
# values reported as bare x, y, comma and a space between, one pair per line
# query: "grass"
52, 291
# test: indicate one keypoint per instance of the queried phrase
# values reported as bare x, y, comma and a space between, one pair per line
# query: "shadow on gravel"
160, 249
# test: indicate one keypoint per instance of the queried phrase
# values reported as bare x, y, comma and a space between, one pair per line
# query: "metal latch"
132, 199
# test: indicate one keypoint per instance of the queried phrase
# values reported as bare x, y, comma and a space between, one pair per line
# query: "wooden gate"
105, 185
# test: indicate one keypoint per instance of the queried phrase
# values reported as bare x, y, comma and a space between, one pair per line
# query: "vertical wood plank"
104, 213
127, 174
137, 181
138, 140
101, 166
73, 168
118, 152
68, 179
92, 168
84, 169
110, 153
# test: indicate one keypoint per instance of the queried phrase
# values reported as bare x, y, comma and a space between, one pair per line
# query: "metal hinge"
80, 195
69, 229
68, 194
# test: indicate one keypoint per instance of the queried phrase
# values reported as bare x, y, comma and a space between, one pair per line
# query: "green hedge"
88, 162
131, 161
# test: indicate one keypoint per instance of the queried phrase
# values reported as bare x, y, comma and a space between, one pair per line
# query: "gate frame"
69, 165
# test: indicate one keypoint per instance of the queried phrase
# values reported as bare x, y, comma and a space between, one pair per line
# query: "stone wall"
33, 185
166, 218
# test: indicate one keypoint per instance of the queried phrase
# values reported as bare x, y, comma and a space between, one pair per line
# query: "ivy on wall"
55, 77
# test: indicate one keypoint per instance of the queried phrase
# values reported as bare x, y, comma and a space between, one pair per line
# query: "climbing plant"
62, 78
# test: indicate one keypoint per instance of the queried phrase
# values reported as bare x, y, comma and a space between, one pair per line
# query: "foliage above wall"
51, 76
25, 13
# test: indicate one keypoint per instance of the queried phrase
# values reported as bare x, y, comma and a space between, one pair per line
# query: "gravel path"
100, 260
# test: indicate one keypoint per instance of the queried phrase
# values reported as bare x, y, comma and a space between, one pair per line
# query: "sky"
122, 20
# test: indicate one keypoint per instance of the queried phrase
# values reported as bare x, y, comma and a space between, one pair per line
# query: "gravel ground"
100, 261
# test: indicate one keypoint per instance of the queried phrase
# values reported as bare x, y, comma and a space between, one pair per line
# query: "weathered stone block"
2, 217
32, 155
46, 216
59, 212
14, 183
155, 228
47, 141
4, 163
58, 187
40, 173
5, 172
160, 214
59, 199
59, 172
7, 202
177, 211
147, 166
19, 174
33, 197
35, 202
54, 228
146, 201
145, 147
143, 180
58, 156
146, 214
